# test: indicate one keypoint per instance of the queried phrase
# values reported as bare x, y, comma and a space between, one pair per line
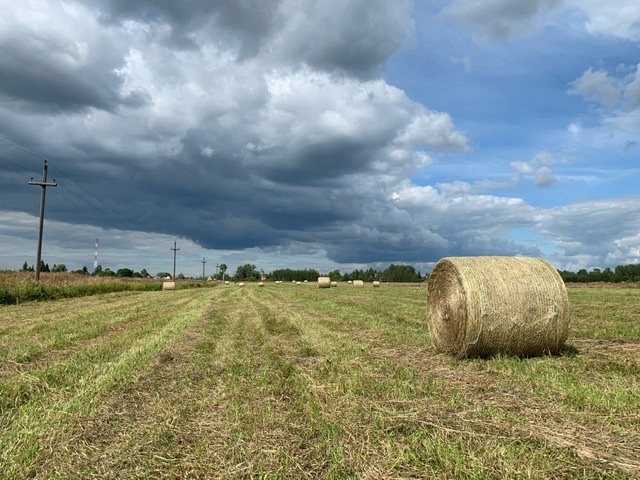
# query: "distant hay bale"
298, 283
241, 284
306, 281
334, 284
376, 283
483, 306
324, 282
349, 282
261, 284
226, 282
358, 283
168, 285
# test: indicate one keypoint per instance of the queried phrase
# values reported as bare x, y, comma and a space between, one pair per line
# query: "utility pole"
217, 271
175, 249
203, 262
44, 184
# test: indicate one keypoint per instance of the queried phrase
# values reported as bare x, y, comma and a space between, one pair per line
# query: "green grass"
292, 381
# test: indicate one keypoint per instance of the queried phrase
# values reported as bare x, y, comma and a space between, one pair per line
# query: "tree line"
620, 274
393, 273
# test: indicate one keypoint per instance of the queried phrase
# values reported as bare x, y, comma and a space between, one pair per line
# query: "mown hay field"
293, 381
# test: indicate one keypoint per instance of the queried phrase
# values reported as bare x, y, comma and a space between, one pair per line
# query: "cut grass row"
298, 382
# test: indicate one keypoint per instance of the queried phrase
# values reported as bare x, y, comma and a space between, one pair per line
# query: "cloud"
544, 177
598, 86
614, 18
47, 67
617, 94
355, 37
498, 19
601, 236
252, 142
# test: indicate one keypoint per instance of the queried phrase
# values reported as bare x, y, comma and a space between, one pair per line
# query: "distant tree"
107, 272
144, 273
25, 266
163, 274
222, 268
401, 273
124, 272
137, 275
247, 272
335, 275
97, 271
59, 268
181, 276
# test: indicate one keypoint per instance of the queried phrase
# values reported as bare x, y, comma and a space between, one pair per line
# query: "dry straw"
482, 306
358, 283
324, 282
241, 284
376, 283
334, 284
168, 285
261, 284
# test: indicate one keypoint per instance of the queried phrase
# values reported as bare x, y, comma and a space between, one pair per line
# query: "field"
293, 381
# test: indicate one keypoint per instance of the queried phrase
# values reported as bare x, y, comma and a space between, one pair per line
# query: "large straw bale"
241, 284
261, 284
358, 283
334, 284
376, 283
324, 282
483, 306
168, 285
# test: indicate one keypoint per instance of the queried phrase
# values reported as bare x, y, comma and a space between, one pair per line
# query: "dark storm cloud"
247, 22
355, 37
53, 71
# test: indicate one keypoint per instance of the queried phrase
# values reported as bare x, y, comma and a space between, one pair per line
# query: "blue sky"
320, 134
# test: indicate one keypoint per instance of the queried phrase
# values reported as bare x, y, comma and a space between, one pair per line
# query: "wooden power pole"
44, 184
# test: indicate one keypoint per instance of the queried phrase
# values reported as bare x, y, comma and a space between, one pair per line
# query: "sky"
319, 134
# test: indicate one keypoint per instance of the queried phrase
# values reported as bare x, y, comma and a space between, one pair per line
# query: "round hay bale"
298, 283
358, 283
261, 284
168, 285
376, 283
483, 306
226, 282
324, 282
334, 284
349, 282
241, 284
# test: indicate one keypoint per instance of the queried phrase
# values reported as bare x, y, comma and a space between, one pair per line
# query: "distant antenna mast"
95, 258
